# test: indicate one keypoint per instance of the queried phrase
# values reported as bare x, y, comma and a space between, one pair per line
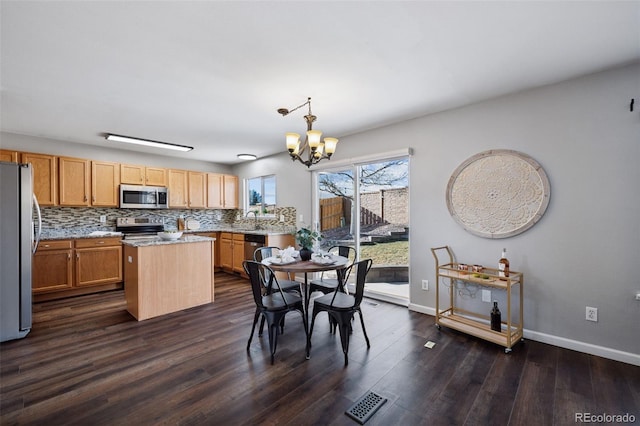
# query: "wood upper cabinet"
142, 175
98, 261
155, 176
8, 156
222, 191
52, 267
105, 178
197, 183
231, 189
187, 189
45, 177
74, 175
178, 189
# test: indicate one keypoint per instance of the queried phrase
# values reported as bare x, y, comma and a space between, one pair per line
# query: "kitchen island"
161, 276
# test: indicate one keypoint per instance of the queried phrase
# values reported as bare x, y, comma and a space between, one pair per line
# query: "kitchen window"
261, 195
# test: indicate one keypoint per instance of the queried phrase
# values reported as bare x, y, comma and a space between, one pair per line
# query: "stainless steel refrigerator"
18, 242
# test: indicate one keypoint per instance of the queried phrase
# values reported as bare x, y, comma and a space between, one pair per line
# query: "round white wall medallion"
498, 193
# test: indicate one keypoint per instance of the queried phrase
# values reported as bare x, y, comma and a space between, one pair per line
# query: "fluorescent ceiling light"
146, 142
247, 156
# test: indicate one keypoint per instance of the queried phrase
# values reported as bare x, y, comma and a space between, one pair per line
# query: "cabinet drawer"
225, 235
55, 245
238, 237
98, 242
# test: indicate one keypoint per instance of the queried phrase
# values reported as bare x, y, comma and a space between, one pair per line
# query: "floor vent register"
365, 407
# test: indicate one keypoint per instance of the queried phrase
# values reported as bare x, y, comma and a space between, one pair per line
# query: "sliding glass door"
366, 206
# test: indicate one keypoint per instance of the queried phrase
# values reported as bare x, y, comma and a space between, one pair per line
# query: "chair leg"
261, 327
273, 337
253, 327
364, 330
306, 332
344, 337
313, 321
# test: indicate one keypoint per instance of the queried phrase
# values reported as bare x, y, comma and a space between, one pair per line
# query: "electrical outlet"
486, 296
425, 284
301, 218
591, 314
638, 296
281, 218
103, 218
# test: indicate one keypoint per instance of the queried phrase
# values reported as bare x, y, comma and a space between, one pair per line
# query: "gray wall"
586, 249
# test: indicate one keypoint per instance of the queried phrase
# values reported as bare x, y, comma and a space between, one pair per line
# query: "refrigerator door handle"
37, 238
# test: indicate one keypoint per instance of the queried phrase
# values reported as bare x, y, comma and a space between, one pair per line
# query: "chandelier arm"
301, 105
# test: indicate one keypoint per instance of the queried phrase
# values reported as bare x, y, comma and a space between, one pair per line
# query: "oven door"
143, 197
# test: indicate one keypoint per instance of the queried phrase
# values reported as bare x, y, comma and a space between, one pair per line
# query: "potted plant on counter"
305, 238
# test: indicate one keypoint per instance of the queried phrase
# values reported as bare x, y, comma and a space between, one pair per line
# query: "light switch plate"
486, 296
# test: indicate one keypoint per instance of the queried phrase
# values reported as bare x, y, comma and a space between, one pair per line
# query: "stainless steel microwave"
143, 197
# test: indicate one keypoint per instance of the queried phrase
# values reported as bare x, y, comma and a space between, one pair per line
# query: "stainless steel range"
139, 227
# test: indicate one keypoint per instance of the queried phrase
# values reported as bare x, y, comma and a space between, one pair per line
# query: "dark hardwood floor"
87, 361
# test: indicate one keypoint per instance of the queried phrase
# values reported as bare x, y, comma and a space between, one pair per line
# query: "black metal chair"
328, 285
287, 285
342, 307
272, 303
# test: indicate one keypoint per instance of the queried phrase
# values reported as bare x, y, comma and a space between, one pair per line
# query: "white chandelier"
313, 148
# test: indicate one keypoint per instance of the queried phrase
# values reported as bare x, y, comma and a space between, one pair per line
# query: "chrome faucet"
255, 216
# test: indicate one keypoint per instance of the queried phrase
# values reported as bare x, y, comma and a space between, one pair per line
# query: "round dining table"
306, 267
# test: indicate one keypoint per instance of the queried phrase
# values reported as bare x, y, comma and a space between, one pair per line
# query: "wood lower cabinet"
63, 268
238, 253
98, 261
226, 251
52, 268
232, 252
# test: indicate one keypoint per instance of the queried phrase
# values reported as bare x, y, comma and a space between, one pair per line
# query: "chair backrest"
348, 252
344, 251
262, 253
361, 270
259, 285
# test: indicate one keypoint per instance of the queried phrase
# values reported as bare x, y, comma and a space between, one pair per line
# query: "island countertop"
159, 241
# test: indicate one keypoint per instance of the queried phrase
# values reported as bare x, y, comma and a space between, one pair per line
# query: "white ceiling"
211, 74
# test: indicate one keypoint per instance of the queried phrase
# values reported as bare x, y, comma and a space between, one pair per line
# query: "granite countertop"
159, 241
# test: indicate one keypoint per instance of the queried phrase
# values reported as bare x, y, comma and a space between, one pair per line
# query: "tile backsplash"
58, 221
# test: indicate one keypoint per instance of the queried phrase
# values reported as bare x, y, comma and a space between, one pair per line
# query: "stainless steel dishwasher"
251, 243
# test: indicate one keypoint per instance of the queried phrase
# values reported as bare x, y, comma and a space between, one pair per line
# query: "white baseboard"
588, 348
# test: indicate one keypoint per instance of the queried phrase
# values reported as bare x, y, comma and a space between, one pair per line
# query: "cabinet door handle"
78, 256
68, 256
100, 242
85, 197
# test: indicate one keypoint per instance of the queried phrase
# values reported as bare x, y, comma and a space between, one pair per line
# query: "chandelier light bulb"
314, 138
292, 141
